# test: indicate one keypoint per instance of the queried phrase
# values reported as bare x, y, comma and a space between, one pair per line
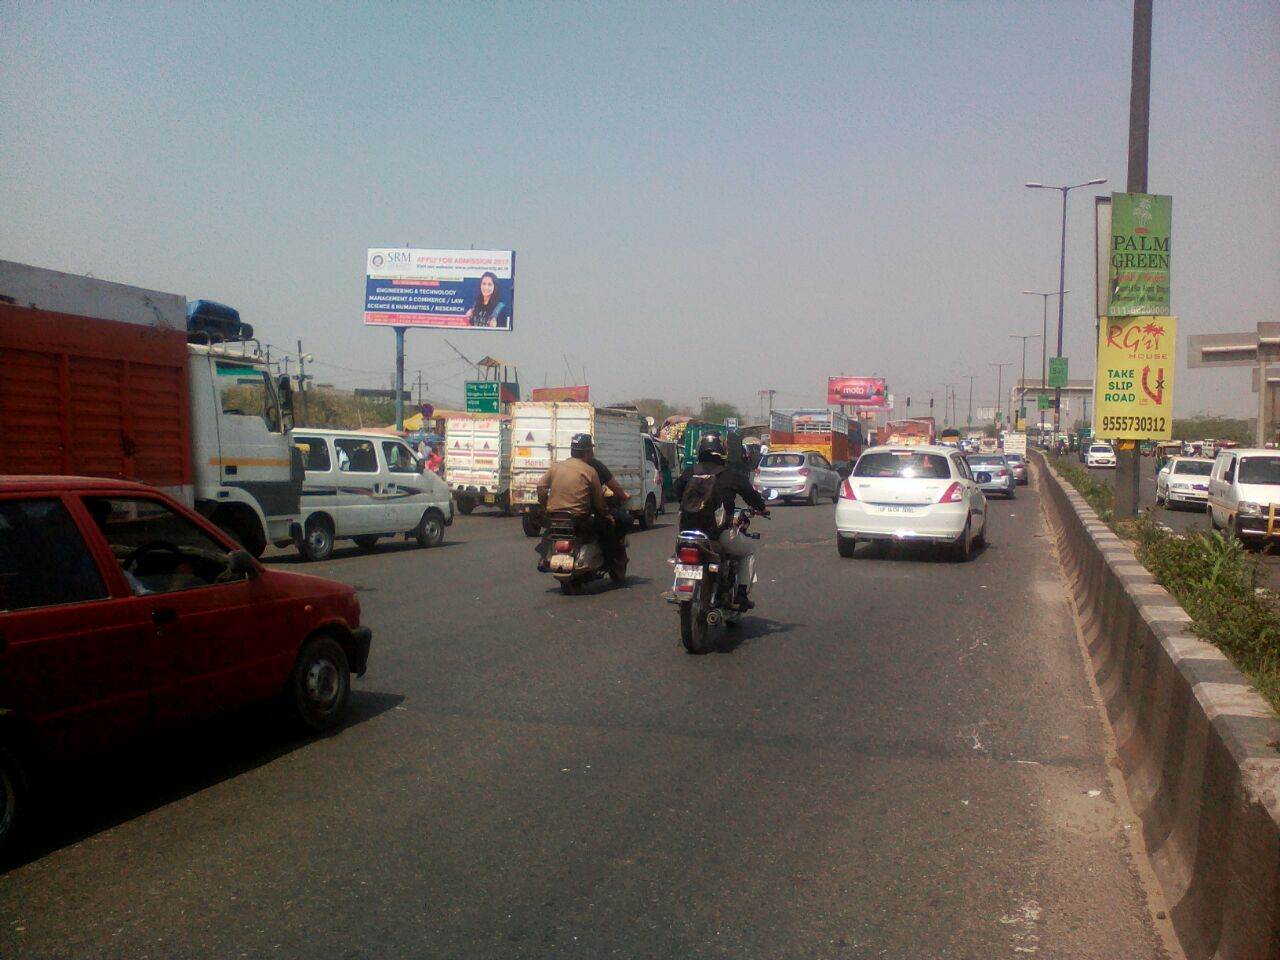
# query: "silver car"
806, 477
997, 470
1019, 465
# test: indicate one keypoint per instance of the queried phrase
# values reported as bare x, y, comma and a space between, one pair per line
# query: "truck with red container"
913, 431
828, 432
107, 380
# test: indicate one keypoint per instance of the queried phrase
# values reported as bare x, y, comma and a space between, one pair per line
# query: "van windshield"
1260, 470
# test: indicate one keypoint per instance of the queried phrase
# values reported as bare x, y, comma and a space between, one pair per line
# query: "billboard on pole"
1140, 258
1133, 386
439, 288
858, 391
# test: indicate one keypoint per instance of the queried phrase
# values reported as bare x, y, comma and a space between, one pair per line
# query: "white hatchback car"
1100, 455
924, 493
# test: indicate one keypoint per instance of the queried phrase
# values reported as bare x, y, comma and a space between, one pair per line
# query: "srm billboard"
858, 391
439, 288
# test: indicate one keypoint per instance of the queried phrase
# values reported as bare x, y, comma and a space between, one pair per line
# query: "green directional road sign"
1044, 402
484, 396
1058, 373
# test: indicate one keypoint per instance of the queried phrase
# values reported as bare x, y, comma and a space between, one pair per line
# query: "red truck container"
93, 397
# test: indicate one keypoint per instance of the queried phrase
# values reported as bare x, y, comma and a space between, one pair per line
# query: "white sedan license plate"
688, 571
894, 509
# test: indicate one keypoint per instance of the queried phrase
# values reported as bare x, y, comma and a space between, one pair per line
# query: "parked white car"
1184, 480
1100, 455
365, 486
924, 493
1244, 493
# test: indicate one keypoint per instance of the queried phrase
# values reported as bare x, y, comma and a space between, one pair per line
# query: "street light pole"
1062, 278
969, 421
1000, 390
1022, 384
1044, 344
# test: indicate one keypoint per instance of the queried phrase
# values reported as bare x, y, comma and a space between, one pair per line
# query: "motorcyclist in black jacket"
713, 513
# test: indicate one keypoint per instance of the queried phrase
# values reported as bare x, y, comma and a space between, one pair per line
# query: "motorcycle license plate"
688, 571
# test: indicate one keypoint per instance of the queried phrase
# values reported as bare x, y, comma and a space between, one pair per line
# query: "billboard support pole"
1128, 455
399, 378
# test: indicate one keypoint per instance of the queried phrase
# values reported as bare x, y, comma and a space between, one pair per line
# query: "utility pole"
1127, 456
302, 379
419, 388
1022, 384
948, 397
1000, 389
767, 396
705, 402
969, 420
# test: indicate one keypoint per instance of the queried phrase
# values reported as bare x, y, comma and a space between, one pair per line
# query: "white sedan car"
1100, 455
923, 493
1184, 480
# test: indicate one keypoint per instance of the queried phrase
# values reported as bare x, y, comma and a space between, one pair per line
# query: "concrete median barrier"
1197, 745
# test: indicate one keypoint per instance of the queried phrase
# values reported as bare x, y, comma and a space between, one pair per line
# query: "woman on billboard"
489, 310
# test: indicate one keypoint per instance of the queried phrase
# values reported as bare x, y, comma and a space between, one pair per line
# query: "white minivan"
364, 486
1244, 493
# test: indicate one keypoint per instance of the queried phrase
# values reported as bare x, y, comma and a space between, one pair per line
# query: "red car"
122, 611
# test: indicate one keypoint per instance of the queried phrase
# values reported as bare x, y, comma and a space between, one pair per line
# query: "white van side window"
315, 452
399, 458
1230, 474
356, 456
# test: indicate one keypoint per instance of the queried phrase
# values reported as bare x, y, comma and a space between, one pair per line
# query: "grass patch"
1212, 577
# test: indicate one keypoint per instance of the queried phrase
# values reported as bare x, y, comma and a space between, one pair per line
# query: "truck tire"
243, 527
466, 505
530, 524
317, 539
650, 514
320, 684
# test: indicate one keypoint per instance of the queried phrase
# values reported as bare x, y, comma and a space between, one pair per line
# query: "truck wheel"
650, 514
14, 801
466, 505
320, 684
317, 539
366, 542
504, 503
430, 531
530, 525
243, 527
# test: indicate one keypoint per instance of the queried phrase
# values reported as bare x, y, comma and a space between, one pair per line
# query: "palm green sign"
1138, 274
1058, 373
1044, 402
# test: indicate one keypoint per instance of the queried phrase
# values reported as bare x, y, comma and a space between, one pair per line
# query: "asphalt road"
897, 757
1183, 518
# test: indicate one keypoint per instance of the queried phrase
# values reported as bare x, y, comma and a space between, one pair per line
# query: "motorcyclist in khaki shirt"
572, 488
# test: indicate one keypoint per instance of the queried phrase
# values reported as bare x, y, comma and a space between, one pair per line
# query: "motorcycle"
572, 552
705, 586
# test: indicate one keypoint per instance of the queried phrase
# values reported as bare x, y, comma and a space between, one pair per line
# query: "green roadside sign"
1044, 401
1138, 271
1058, 373
484, 396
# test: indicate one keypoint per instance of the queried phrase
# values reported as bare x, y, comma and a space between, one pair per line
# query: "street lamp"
1062, 277
1022, 384
1044, 342
1000, 390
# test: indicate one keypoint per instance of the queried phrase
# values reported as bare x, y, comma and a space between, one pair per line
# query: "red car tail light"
954, 494
689, 555
564, 546
804, 471
846, 491
1002, 473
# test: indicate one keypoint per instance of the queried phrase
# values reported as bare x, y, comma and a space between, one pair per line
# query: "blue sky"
704, 199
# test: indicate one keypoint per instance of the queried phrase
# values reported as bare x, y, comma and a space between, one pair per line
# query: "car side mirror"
240, 562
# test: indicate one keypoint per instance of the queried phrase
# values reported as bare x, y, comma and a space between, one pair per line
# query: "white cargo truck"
477, 461
540, 436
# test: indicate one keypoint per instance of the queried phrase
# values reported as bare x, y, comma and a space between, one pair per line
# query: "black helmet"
581, 445
711, 447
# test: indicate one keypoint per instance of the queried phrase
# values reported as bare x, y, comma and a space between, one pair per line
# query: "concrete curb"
1194, 741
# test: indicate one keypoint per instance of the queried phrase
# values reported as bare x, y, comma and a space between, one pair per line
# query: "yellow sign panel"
1133, 385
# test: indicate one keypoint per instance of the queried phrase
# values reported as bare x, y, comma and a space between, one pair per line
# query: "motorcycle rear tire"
570, 588
694, 631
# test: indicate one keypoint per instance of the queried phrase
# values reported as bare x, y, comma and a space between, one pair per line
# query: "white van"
1244, 494
364, 486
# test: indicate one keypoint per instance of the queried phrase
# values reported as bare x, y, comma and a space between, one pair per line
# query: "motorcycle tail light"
953, 494
689, 555
564, 546
846, 491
